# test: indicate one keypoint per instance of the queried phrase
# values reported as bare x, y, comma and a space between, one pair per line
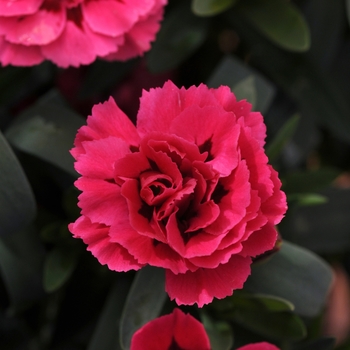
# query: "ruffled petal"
203, 285
40, 28
213, 131
106, 119
100, 200
19, 7
99, 157
147, 250
96, 236
260, 241
138, 39
19, 55
79, 45
112, 18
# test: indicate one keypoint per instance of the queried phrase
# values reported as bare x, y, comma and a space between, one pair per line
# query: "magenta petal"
158, 108
260, 241
147, 250
259, 346
76, 46
203, 285
214, 132
178, 327
19, 55
98, 161
19, 7
100, 200
39, 28
108, 119
233, 205
96, 236
275, 207
107, 17
138, 39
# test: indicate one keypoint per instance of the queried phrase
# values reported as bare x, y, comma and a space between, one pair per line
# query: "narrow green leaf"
348, 10
106, 334
219, 332
21, 258
280, 21
177, 39
324, 228
211, 7
275, 147
307, 199
17, 201
281, 326
244, 81
144, 303
265, 302
294, 274
59, 266
309, 181
324, 343
47, 130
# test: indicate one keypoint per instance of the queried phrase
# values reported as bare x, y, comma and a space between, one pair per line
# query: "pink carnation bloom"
259, 346
179, 331
175, 331
188, 189
75, 32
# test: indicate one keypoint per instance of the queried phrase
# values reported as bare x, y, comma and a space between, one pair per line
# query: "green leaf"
348, 10
17, 202
309, 181
243, 81
307, 199
284, 135
177, 39
324, 343
324, 228
280, 326
265, 302
211, 7
21, 258
144, 303
294, 274
280, 21
106, 334
47, 130
219, 332
59, 266
246, 90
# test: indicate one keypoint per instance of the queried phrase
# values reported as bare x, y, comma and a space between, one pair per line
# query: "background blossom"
188, 189
75, 32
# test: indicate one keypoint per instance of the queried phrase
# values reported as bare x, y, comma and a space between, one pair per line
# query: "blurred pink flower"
258, 346
75, 32
175, 331
188, 189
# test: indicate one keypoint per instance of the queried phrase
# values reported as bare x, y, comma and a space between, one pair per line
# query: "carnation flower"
179, 331
188, 189
75, 32
175, 331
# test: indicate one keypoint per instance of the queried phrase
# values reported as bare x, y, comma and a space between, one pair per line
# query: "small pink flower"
258, 346
75, 32
189, 189
175, 331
